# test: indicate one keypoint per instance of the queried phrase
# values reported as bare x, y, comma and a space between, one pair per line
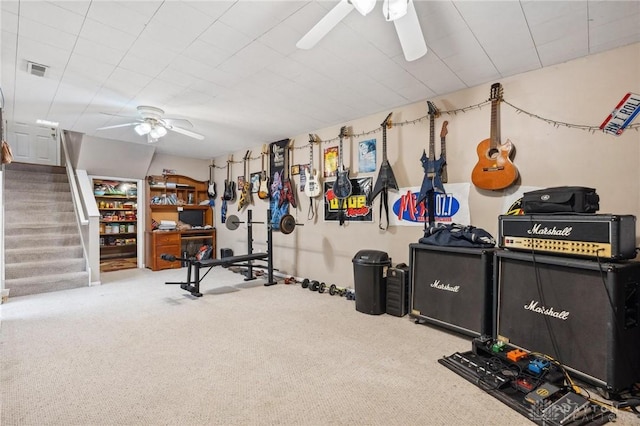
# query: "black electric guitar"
229, 193
211, 189
245, 196
443, 152
432, 180
342, 185
386, 179
263, 188
286, 192
312, 189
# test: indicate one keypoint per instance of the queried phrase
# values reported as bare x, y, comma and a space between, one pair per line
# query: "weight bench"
192, 285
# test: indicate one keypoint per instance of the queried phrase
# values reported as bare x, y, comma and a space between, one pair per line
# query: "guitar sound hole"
493, 153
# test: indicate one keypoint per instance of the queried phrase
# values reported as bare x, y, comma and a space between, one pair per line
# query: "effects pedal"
516, 355
538, 365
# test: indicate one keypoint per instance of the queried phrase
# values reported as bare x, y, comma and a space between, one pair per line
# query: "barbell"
287, 223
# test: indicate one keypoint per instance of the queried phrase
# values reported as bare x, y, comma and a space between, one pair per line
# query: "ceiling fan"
401, 12
152, 124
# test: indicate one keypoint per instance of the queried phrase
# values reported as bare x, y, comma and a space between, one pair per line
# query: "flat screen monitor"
192, 217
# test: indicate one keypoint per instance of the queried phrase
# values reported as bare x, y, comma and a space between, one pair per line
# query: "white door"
33, 144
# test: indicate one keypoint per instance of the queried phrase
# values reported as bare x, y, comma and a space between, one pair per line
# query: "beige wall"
582, 91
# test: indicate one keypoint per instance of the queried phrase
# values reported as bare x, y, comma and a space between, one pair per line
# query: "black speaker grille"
573, 311
452, 287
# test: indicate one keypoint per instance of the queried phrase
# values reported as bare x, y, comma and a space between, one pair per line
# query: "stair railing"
87, 214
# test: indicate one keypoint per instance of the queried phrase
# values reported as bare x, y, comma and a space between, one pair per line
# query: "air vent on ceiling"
36, 69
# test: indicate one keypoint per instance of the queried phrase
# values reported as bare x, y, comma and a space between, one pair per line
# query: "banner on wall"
354, 208
276, 170
452, 207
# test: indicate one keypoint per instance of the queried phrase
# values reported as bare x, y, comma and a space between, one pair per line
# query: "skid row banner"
452, 207
354, 208
276, 168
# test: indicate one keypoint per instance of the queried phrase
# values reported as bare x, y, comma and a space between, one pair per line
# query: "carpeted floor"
135, 351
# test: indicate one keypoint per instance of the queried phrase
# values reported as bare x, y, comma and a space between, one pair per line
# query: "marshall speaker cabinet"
451, 287
583, 313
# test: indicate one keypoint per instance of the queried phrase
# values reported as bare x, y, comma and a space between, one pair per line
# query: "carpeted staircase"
43, 250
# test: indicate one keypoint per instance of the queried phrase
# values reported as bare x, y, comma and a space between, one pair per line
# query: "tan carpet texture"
135, 351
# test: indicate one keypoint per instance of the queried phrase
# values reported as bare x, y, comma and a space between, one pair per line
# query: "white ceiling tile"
9, 23
282, 39
225, 37
104, 34
47, 35
9, 6
569, 47
177, 77
119, 16
251, 59
144, 9
85, 68
206, 53
143, 66
76, 6
52, 15
222, 78
213, 9
99, 51
207, 87
126, 81
183, 16
191, 67
170, 38
153, 51
255, 18
31, 50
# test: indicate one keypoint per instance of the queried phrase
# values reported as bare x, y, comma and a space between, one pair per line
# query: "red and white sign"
623, 115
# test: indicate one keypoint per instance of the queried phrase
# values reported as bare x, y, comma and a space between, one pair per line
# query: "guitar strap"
311, 213
384, 200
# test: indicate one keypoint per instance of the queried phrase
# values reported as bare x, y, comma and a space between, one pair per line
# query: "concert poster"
330, 161
367, 156
354, 208
277, 151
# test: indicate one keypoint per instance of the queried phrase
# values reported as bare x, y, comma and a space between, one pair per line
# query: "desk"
174, 243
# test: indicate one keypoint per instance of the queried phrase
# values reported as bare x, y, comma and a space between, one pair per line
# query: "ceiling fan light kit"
394, 9
401, 12
152, 124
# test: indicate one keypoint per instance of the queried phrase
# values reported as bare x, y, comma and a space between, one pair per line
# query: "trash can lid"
371, 257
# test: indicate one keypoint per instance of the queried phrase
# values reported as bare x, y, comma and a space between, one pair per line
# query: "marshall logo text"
533, 307
539, 230
446, 287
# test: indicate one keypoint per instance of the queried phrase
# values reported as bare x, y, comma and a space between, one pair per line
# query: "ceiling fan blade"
118, 125
182, 122
410, 34
326, 24
186, 132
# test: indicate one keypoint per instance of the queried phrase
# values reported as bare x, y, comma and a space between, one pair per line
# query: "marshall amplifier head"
604, 236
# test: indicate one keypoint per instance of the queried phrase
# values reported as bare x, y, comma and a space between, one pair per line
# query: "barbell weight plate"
232, 223
305, 283
287, 224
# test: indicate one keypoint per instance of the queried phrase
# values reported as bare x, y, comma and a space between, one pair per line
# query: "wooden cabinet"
172, 200
175, 243
118, 206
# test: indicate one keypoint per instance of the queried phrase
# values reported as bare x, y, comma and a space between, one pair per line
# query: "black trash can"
369, 281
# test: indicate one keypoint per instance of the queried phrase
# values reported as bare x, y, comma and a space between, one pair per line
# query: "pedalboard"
531, 384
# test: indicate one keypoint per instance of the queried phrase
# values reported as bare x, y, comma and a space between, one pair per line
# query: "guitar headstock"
496, 92
444, 131
343, 131
247, 155
433, 111
265, 149
312, 138
387, 121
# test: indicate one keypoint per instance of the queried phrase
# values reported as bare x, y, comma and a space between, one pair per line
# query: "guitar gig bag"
561, 199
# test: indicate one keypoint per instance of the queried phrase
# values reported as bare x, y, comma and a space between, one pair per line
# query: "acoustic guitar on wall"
494, 169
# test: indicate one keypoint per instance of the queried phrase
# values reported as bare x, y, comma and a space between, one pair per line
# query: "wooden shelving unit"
167, 196
117, 202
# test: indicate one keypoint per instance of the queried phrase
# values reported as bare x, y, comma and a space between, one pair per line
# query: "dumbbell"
305, 283
350, 294
334, 289
314, 285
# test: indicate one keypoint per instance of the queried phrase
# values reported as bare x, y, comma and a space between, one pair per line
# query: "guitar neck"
384, 143
495, 124
432, 144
